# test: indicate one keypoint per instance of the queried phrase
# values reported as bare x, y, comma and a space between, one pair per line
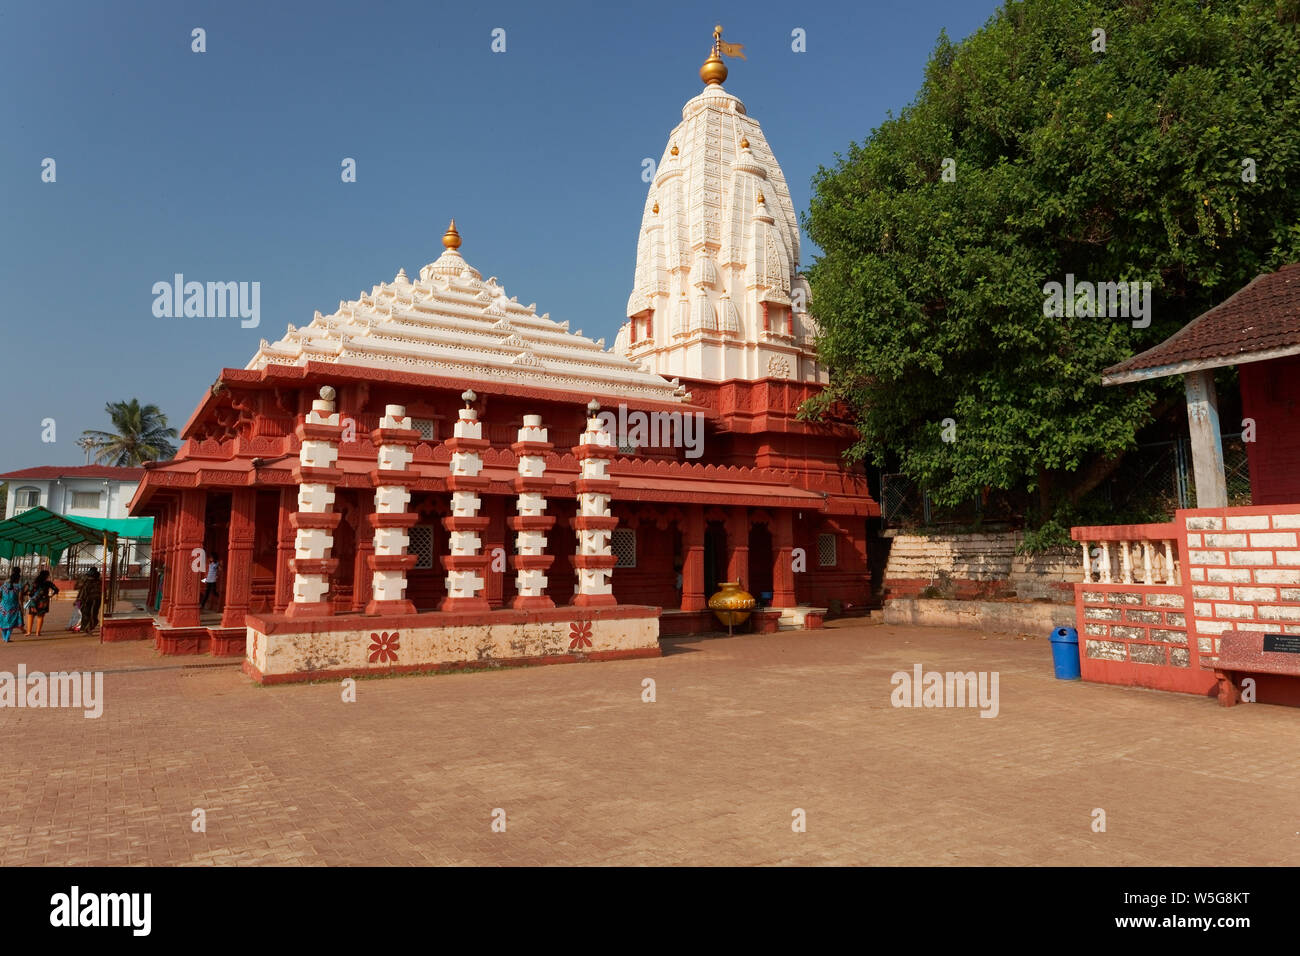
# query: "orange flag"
731, 49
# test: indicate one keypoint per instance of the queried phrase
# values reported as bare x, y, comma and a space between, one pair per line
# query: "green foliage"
141, 434
1116, 166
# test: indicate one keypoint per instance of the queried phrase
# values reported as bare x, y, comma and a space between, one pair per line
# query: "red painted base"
217, 641
312, 609
126, 629
522, 603
390, 607
308, 676
593, 600
454, 605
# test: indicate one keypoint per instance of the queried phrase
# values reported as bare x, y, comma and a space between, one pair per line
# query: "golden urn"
732, 604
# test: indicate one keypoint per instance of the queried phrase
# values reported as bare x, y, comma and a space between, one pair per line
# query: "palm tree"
141, 435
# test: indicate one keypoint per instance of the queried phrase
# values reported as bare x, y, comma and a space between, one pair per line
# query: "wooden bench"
1270, 659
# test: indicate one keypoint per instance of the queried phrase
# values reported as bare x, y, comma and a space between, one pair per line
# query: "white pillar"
395, 440
315, 520
530, 560
1207, 445
466, 565
594, 558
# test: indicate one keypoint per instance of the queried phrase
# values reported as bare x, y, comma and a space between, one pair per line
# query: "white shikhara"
717, 293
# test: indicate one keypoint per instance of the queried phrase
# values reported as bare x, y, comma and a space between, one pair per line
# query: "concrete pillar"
1207, 445
466, 565
594, 558
166, 549
284, 549
392, 520
738, 545
530, 561
315, 520
237, 589
782, 558
362, 590
189, 531
693, 597
494, 546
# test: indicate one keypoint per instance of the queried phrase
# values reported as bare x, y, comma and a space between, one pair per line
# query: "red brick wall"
1242, 571
1137, 635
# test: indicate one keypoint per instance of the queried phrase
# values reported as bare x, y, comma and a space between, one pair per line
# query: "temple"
434, 475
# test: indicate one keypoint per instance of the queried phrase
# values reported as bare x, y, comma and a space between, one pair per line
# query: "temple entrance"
760, 564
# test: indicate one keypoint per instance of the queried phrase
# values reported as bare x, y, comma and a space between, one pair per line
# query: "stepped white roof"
452, 322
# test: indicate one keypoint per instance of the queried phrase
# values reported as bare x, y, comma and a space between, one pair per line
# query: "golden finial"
673, 151
451, 238
714, 71
761, 200
744, 143
655, 210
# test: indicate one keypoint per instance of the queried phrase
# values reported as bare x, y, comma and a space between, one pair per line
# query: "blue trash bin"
1065, 653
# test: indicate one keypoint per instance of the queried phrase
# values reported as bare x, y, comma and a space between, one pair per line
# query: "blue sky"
225, 165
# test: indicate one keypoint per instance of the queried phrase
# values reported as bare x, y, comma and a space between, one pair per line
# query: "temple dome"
717, 293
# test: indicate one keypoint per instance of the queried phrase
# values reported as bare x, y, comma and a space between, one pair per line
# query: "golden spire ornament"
714, 71
451, 238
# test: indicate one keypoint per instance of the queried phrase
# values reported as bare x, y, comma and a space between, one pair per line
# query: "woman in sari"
11, 604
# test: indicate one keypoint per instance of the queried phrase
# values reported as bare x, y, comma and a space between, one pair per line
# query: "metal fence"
1154, 481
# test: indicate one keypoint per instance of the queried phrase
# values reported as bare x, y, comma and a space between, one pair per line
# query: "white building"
77, 491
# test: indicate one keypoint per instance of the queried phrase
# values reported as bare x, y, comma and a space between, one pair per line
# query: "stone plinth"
281, 649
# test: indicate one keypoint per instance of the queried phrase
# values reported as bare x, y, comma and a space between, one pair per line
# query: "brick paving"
743, 731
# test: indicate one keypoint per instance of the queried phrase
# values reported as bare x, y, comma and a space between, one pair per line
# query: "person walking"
38, 602
11, 604
89, 596
210, 583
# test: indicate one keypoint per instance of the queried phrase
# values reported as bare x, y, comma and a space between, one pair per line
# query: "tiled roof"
76, 471
1263, 317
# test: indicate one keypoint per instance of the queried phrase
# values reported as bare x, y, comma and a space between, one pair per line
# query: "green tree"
1122, 165
140, 434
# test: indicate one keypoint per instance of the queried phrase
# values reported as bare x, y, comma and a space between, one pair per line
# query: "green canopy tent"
39, 531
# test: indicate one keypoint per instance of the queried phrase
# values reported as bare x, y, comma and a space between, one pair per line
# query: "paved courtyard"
743, 731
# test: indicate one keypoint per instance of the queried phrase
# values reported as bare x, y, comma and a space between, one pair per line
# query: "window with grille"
826, 556
85, 499
623, 544
627, 448
422, 546
424, 426
27, 498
